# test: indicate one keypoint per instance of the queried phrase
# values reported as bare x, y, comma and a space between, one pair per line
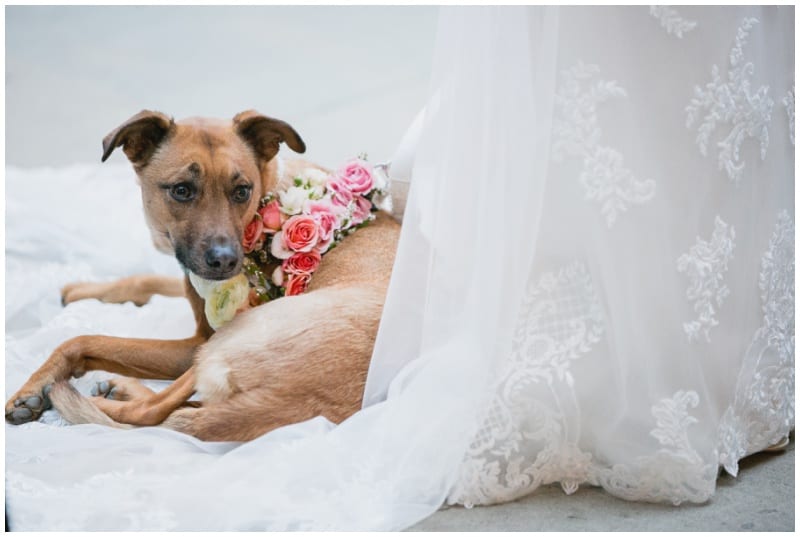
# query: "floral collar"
291, 231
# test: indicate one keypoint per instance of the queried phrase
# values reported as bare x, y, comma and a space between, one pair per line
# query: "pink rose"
340, 194
302, 263
327, 219
300, 233
272, 216
356, 175
361, 210
296, 285
253, 235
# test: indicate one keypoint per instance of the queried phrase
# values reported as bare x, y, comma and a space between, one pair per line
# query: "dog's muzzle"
220, 259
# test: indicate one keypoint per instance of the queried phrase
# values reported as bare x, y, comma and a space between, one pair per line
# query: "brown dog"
286, 361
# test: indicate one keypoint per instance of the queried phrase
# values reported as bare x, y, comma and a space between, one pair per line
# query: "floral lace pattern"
676, 472
671, 21
530, 435
528, 439
576, 132
763, 409
732, 103
706, 265
525, 440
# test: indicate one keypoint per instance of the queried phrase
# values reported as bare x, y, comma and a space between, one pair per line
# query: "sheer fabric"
655, 340
594, 285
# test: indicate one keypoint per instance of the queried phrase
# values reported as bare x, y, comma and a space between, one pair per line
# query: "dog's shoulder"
365, 257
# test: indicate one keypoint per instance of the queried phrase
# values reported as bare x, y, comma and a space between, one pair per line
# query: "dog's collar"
290, 233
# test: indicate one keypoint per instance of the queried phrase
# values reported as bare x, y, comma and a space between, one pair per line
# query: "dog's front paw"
73, 292
25, 407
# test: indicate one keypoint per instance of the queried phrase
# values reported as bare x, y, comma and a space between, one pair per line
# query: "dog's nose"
221, 257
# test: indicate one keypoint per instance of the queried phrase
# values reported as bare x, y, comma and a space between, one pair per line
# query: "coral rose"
301, 233
296, 285
253, 237
303, 263
272, 216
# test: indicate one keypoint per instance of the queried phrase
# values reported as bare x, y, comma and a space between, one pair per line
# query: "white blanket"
62, 225
82, 223
86, 223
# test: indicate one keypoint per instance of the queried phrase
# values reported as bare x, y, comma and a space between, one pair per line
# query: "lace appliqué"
671, 20
732, 103
576, 133
530, 434
675, 472
763, 409
706, 265
526, 439
788, 102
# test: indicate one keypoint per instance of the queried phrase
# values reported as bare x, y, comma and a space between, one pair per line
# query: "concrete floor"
761, 498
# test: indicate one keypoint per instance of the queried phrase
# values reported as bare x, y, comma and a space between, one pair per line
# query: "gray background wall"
349, 79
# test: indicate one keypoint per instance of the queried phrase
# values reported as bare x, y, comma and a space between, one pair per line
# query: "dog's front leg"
137, 289
142, 358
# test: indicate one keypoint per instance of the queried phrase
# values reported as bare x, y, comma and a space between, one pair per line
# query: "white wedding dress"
594, 286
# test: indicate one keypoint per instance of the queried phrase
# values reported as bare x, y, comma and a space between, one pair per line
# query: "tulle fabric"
535, 328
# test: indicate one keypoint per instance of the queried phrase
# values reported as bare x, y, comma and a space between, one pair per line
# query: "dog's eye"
182, 192
241, 194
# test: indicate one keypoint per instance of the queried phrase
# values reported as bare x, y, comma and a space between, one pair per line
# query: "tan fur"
283, 362
136, 289
77, 410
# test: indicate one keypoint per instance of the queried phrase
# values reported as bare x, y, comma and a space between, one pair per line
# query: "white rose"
315, 193
293, 200
277, 249
315, 177
277, 276
223, 298
201, 285
318, 192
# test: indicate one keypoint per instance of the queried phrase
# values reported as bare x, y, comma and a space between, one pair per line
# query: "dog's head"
201, 181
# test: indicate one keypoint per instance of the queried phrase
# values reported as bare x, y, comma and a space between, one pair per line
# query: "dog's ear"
264, 134
139, 136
